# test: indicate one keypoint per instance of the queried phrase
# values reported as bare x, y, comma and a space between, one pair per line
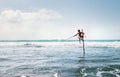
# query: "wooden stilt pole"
82, 34
83, 47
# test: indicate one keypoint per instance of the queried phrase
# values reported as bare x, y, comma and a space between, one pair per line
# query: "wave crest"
61, 44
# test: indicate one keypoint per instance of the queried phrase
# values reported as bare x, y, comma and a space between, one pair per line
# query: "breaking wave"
115, 44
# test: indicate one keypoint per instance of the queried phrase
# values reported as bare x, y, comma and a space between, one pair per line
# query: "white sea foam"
56, 74
64, 44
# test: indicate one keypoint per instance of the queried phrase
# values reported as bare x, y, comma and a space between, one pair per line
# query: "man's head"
78, 30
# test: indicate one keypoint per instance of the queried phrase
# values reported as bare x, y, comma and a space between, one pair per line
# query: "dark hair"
78, 30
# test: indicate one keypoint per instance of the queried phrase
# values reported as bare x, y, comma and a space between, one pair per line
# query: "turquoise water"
59, 58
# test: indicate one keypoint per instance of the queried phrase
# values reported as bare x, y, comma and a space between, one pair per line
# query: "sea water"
59, 58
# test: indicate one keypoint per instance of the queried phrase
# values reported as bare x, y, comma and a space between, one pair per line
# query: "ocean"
59, 58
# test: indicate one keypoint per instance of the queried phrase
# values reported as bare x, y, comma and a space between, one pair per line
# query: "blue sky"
59, 19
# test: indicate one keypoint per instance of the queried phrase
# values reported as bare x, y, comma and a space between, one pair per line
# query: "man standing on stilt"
80, 35
81, 38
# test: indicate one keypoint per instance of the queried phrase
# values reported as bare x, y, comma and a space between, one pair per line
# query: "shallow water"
59, 59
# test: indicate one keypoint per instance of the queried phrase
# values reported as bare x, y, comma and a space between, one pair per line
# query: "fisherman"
81, 38
80, 35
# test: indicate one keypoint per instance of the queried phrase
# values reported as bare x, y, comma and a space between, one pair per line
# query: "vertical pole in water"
83, 48
82, 35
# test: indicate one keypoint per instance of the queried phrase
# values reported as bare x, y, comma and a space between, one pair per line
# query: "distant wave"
72, 43
57, 40
20, 44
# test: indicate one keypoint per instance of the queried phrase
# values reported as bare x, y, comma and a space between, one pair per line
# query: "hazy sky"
59, 19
